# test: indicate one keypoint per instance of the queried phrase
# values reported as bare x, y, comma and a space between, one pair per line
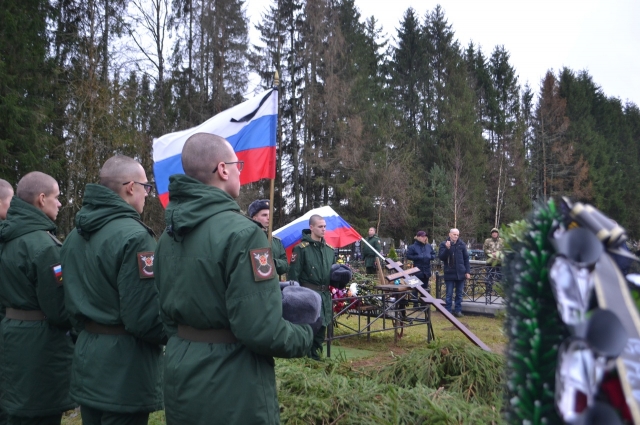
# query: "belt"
211, 336
315, 287
27, 315
98, 328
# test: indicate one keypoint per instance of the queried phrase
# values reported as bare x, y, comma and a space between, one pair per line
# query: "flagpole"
374, 250
276, 84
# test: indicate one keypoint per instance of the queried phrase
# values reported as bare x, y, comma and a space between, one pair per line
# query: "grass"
449, 381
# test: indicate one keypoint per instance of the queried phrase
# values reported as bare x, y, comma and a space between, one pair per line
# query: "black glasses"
239, 164
148, 187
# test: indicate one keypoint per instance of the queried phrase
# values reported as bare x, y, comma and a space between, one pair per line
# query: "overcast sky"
602, 37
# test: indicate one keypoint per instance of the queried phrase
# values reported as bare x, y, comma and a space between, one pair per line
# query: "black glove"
340, 276
300, 305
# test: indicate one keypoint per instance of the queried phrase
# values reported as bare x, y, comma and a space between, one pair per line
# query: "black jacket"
455, 260
421, 254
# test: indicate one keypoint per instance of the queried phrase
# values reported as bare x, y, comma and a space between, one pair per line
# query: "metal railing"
480, 288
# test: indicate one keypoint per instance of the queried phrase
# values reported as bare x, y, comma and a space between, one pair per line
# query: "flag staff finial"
276, 79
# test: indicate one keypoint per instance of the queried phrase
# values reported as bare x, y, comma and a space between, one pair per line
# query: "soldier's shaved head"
117, 170
33, 184
315, 218
6, 193
6, 190
201, 153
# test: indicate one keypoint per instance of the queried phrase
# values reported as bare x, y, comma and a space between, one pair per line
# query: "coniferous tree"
26, 92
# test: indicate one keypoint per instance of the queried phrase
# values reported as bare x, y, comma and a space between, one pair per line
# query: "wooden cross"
427, 298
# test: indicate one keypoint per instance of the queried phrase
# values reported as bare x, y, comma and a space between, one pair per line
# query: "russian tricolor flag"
338, 234
250, 127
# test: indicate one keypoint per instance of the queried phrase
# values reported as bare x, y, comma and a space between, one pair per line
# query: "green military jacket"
108, 270
367, 253
214, 270
279, 255
311, 262
36, 355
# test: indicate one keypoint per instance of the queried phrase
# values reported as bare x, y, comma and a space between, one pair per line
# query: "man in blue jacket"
455, 263
421, 253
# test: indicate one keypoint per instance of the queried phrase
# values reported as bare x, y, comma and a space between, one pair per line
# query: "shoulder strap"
56, 240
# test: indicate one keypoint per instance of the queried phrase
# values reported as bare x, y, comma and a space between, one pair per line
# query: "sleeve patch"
145, 264
293, 257
56, 269
262, 264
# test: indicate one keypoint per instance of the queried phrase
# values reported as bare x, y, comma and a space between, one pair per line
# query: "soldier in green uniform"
259, 211
369, 255
6, 193
218, 286
111, 296
311, 263
37, 348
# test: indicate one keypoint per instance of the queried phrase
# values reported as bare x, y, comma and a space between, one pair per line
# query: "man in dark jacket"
368, 253
311, 263
455, 263
259, 211
421, 253
37, 349
111, 296
218, 286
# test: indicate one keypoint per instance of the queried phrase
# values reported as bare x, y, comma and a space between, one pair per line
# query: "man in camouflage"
311, 263
492, 248
259, 211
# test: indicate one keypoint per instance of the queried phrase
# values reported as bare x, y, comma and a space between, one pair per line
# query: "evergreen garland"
533, 323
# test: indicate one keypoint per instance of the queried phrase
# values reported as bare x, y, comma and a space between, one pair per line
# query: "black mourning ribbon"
250, 116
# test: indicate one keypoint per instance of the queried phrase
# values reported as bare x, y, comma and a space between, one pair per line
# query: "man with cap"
110, 292
311, 263
37, 348
421, 253
492, 248
259, 211
368, 253
219, 289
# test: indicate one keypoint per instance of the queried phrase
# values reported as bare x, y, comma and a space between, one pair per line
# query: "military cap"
258, 205
340, 275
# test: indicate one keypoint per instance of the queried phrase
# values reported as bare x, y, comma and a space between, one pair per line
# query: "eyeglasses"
239, 164
147, 187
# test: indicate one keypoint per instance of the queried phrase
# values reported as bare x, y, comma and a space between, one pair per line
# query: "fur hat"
256, 206
300, 305
340, 276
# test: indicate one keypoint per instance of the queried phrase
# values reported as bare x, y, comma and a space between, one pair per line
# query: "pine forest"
402, 132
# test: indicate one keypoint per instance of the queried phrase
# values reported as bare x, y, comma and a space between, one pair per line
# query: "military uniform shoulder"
244, 217
329, 245
147, 228
55, 240
303, 244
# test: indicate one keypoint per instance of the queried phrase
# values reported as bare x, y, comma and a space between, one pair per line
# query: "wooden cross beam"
426, 297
